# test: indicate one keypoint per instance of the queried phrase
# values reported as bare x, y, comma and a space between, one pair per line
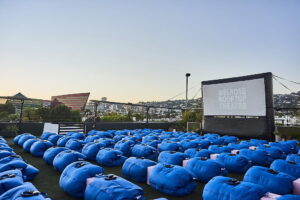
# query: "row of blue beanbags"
14, 172
278, 179
75, 171
224, 188
83, 179
96, 150
127, 146
168, 179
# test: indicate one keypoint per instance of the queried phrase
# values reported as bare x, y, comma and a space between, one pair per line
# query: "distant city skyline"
131, 51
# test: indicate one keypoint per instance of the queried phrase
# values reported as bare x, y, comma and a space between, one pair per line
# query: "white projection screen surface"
239, 98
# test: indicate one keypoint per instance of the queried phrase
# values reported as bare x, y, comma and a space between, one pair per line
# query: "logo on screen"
233, 99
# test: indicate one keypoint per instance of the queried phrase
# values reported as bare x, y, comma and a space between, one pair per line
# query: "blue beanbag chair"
104, 134
73, 178
110, 157
152, 143
91, 138
258, 157
172, 157
224, 188
38, 148
294, 158
24, 138
193, 153
186, 144
61, 142
219, 149
4, 153
238, 146
229, 139
91, 149
136, 168
132, 138
145, 151
76, 135
287, 167
204, 144
273, 181
17, 138
204, 169
176, 140
274, 152
75, 144
50, 154
257, 142
211, 135
117, 138
2, 140
169, 146
64, 158
149, 138
16, 162
10, 179
109, 143
27, 145
289, 197
111, 187
285, 147
54, 138
293, 143
26, 191
125, 146
249, 143
92, 132
46, 135
234, 163
5, 147
216, 141
172, 180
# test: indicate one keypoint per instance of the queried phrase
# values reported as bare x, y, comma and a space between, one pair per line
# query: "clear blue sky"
132, 50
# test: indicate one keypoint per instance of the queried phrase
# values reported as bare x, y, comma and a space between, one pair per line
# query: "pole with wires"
187, 75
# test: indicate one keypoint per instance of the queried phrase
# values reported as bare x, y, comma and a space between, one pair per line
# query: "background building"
73, 101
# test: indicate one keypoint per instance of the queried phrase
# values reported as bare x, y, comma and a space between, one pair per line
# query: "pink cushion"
184, 162
214, 156
235, 151
253, 147
296, 186
270, 196
149, 169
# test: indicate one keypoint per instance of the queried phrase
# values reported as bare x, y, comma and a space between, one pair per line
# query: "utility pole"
21, 115
147, 116
95, 114
187, 75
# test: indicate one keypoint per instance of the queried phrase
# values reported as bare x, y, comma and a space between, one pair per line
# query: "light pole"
187, 75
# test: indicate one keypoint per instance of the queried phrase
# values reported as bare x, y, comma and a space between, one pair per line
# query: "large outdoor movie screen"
238, 98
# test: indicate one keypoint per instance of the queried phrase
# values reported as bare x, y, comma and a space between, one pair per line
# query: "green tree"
129, 115
138, 116
114, 117
30, 114
60, 113
4, 115
44, 114
75, 116
8, 107
192, 116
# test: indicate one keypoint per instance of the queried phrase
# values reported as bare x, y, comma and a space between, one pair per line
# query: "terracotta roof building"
73, 101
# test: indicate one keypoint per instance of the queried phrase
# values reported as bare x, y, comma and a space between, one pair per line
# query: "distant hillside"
280, 100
